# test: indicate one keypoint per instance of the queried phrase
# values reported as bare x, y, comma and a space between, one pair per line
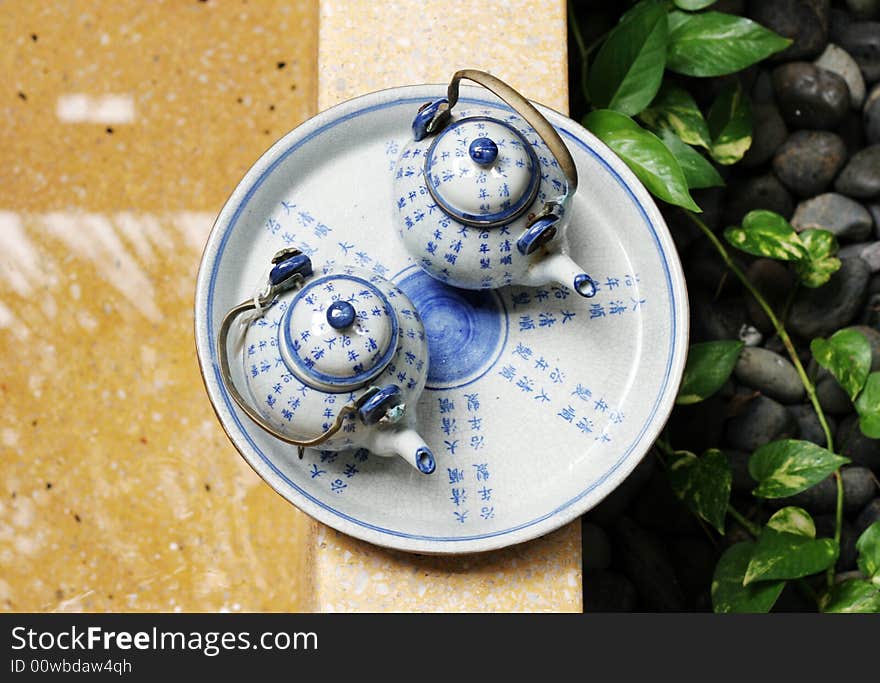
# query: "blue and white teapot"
482, 199
336, 361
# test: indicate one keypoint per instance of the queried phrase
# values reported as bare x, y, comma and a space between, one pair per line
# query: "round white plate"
539, 402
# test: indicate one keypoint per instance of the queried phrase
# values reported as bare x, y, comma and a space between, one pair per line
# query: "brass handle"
229, 383
525, 109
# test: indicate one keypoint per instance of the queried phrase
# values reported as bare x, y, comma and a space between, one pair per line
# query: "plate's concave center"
464, 329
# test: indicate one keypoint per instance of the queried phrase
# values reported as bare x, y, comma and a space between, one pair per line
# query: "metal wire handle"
524, 108
226, 377
266, 298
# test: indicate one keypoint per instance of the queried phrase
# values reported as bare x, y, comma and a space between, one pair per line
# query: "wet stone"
768, 133
851, 131
817, 499
760, 192
805, 22
832, 397
741, 480
774, 281
616, 502
761, 421
864, 9
810, 97
825, 529
869, 252
694, 559
809, 427
871, 313
859, 448
844, 217
822, 311
658, 509
750, 336
859, 487
872, 116
862, 40
808, 161
860, 178
762, 88
608, 591
596, 546
869, 514
699, 426
706, 274
838, 21
769, 373
874, 210
642, 556
715, 320
837, 60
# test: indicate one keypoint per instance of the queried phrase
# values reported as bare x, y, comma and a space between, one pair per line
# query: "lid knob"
340, 314
483, 151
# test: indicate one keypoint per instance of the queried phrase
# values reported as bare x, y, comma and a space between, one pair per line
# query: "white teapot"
481, 199
336, 361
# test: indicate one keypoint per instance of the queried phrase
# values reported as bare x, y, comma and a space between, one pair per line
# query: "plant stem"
746, 524
583, 51
838, 520
777, 325
809, 387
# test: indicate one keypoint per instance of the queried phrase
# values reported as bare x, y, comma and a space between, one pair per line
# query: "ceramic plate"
538, 402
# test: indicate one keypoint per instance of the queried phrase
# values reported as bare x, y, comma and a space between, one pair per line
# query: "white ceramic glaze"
537, 402
483, 202
301, 368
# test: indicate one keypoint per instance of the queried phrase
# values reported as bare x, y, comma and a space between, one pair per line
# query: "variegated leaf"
728, 592
783, 468
765, 233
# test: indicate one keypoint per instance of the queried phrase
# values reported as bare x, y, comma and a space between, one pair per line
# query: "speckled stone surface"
125, 127
366, 46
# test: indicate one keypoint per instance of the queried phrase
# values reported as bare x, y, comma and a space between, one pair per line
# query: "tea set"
486, 186
441, 318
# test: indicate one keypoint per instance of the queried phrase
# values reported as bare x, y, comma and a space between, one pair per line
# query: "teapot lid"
482, 171
339, 332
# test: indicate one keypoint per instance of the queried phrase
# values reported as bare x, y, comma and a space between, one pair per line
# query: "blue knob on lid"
484, 151
340, 314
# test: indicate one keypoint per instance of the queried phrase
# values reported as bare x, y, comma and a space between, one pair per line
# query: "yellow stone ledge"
365, 46
126, 127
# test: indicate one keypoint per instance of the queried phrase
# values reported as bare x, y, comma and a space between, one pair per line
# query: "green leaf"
644, 153
822, 264
868, 407
783, 468
854, 596
765, 233
793, 520
642, 6
628, 69
728, 592
847, 356
703, 484
674, 108
782, 555
730, 124
868, 546
715, 44
708, 366
693, 5
698, 171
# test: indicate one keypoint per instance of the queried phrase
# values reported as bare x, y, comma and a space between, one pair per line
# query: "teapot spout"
407, 444
559, 267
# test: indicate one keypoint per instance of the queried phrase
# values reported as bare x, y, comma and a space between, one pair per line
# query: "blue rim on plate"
235, 423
